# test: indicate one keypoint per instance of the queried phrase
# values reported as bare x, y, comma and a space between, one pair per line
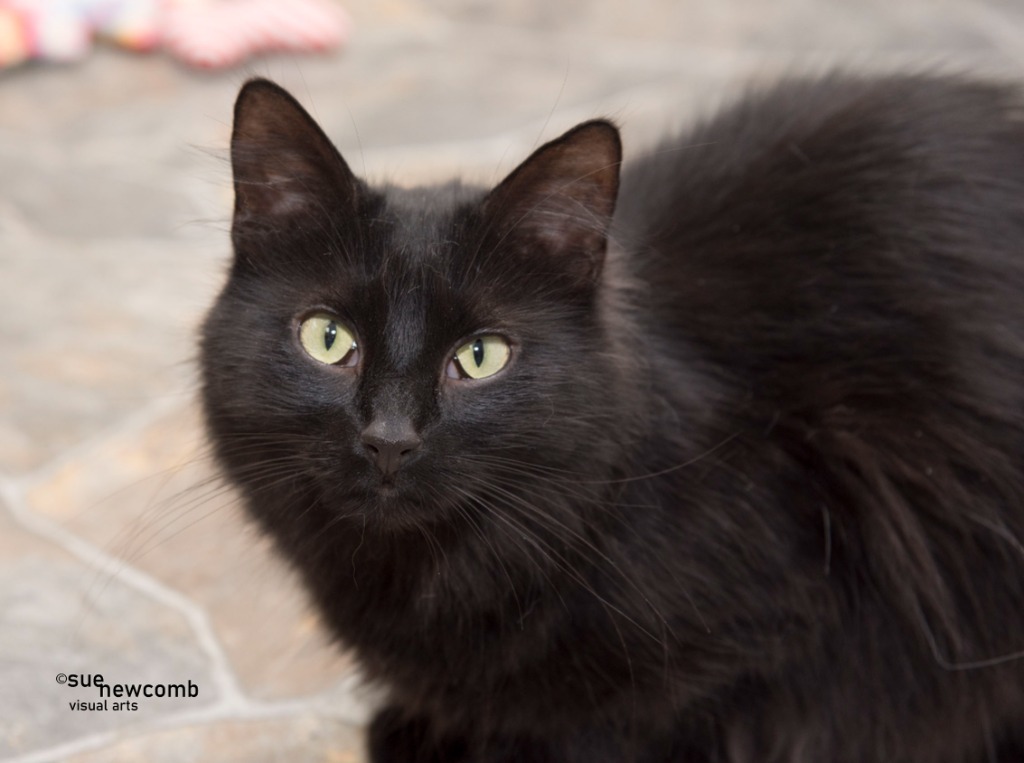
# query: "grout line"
14, 224
208, 715
341, 701
224, 679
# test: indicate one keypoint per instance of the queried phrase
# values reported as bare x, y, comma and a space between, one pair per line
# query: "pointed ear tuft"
563, 196
284, 165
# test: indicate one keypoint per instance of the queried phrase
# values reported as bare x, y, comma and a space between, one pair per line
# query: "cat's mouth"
395, 512
388, 490
396, 504
386, 493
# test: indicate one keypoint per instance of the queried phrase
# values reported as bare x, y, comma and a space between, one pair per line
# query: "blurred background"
120, 552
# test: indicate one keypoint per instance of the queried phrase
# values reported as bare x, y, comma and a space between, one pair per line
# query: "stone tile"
107, 150
61, 616
70, 195
304, 739
789, 26
92, 330
1003, 21
151, 498
456, 83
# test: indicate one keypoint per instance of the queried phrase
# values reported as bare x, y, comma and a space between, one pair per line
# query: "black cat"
723, 461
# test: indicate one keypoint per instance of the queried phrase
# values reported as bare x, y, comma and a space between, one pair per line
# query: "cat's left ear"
561, 199
284, 165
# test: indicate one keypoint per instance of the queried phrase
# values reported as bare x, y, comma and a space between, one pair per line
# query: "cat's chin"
391, 508
395, 515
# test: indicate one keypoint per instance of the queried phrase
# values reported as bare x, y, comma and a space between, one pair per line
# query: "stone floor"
120, 552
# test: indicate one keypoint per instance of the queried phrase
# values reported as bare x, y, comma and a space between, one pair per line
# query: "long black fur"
751, 488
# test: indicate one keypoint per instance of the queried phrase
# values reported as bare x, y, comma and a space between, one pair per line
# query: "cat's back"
814, 152
838, 220
846, 257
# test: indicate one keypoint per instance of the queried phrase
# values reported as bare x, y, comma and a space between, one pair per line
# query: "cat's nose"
389, 442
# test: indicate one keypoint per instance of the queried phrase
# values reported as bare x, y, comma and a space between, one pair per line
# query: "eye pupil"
479, 358
328, 341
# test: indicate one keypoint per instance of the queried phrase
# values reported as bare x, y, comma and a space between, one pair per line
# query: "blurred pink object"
218, 33
63, 30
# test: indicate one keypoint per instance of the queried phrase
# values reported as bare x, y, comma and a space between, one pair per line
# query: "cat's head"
397, 354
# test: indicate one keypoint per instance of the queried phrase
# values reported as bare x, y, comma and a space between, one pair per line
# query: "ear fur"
284, 165
563, 196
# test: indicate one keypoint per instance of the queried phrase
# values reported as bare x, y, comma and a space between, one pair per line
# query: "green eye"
480, 358
327, 340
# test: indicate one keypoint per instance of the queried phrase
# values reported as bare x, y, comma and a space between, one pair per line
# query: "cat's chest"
528, 651
429, 598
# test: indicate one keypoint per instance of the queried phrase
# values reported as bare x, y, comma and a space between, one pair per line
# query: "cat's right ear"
284, 166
